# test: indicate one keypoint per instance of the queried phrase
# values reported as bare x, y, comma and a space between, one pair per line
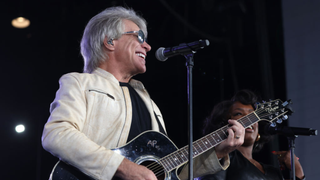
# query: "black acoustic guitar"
158, 153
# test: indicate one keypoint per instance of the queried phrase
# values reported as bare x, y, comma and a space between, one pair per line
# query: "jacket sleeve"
63, 138
206, 163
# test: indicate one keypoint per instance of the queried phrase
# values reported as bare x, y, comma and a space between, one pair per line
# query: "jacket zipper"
103, 93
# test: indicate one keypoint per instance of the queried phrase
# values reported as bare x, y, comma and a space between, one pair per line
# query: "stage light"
20, 22
20, 128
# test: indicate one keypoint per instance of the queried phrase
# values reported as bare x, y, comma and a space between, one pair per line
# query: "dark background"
246, 51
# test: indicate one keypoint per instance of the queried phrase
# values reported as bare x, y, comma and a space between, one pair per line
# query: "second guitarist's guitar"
158, 153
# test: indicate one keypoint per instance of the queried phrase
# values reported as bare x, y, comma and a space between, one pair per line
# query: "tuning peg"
273, 124
279, 121
276, 103
284, 104
263, 101
270, 117
284, 117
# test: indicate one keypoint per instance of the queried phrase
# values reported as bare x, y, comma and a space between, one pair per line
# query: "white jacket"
90, 115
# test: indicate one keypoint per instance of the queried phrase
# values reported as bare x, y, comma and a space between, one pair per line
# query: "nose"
146, 46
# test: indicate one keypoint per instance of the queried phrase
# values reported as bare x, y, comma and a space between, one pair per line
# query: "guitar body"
146, 148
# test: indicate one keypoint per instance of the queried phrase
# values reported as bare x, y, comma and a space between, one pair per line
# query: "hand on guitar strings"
235, 139
130, 171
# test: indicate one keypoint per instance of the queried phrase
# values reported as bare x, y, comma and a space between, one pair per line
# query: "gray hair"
107, 23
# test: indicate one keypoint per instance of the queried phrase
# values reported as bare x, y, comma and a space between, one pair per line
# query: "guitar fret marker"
209, 141
214, 138
219, 137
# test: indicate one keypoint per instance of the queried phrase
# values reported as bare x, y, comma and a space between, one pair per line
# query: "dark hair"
218, 117
221, 113
246, 97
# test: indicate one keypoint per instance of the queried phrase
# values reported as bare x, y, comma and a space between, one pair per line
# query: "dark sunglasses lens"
141, 36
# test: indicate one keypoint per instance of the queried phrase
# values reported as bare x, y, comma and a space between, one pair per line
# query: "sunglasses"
139, 34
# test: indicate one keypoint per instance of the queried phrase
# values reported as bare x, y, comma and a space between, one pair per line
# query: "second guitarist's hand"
235, 139
131, 171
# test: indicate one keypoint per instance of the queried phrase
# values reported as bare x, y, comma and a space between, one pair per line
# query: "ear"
108, 43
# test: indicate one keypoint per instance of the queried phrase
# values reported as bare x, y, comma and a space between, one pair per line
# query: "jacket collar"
105, 74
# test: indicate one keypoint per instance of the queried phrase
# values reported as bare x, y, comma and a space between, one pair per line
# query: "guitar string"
245, 121
222, 130
158, 170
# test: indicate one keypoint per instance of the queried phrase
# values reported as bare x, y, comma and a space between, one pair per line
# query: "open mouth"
250, 129
141, 55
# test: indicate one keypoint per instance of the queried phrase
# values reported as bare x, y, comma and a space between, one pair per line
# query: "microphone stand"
292, 133
190, 64
292, 146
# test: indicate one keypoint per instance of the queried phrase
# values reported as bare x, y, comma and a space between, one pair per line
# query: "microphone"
290, 131
162, 54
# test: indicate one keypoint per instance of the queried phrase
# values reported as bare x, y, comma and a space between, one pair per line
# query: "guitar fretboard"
203, 144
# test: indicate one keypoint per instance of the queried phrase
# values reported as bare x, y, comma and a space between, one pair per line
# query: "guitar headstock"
274, 111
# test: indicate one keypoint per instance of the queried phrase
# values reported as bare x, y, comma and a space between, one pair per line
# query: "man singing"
104, 108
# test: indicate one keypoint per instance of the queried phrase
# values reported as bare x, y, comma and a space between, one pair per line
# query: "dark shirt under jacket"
242, 169
141, 120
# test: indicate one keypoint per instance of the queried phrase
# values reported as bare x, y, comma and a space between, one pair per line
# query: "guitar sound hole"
156, 168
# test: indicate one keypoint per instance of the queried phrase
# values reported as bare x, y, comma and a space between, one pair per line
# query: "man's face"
129, 52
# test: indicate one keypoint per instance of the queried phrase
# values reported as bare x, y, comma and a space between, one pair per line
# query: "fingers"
235, 139
236, 131
284, 158
235, 134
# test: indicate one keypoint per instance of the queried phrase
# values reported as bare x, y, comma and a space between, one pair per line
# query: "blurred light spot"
20, 22
20, 128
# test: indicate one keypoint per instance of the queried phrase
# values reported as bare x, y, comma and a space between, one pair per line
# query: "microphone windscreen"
207, 43
159, 54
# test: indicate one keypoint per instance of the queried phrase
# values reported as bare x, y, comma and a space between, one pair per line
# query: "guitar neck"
181, 156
